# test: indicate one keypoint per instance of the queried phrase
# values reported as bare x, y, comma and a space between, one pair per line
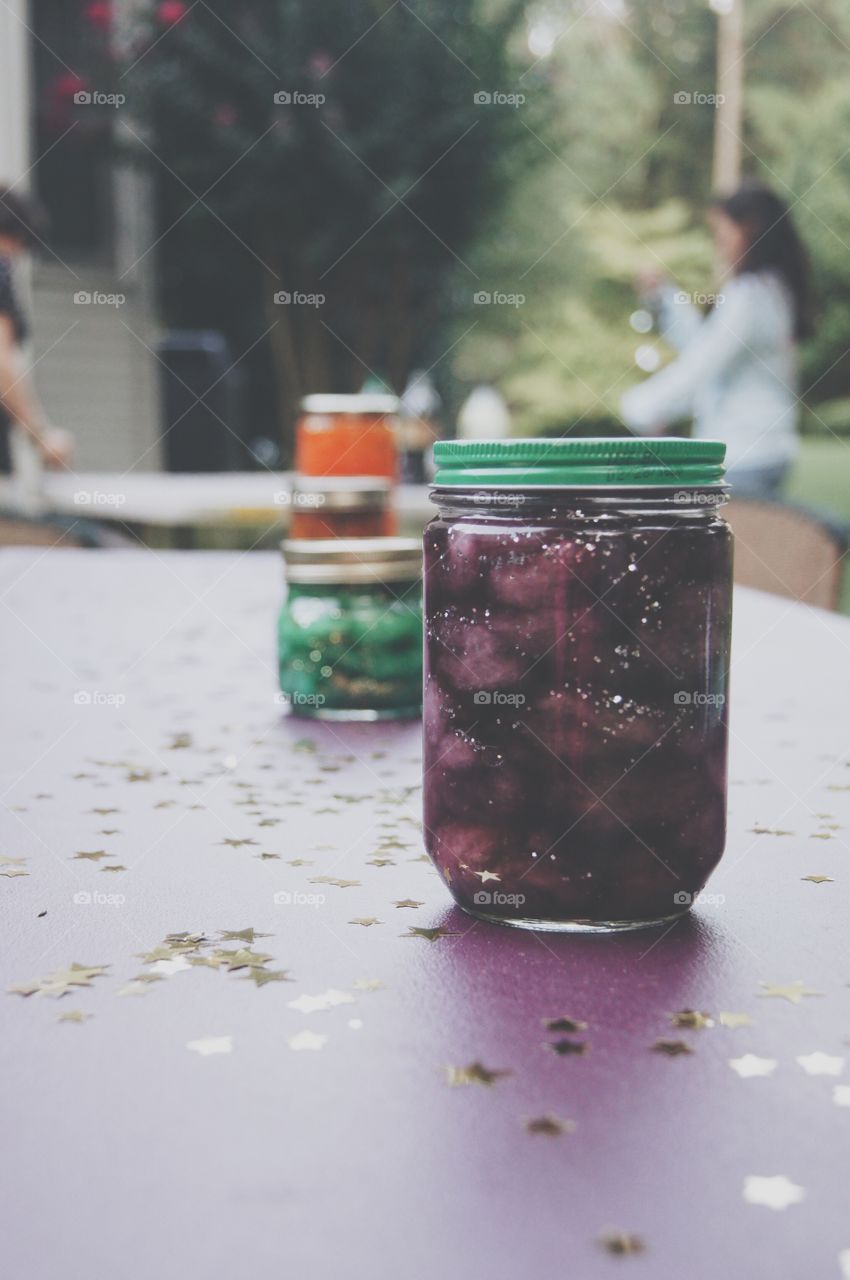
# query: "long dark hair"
773, 244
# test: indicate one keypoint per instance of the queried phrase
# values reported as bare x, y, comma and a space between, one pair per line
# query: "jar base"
577, 926
356, 715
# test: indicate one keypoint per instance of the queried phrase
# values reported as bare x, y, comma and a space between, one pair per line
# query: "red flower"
170, 11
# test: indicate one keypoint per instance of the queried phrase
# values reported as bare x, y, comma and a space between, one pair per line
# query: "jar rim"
369, 403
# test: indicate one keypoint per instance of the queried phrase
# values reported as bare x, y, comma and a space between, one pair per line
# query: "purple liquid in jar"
576, 670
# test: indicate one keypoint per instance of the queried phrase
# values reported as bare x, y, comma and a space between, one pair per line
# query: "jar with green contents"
350, 630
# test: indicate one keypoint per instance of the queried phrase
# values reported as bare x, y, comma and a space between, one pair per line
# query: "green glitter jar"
350, 629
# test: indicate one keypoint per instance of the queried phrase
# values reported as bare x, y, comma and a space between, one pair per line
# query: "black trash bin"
198, 403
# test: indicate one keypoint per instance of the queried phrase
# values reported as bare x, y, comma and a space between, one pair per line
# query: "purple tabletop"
321, 1095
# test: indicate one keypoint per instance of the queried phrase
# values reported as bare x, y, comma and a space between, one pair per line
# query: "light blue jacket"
736, 374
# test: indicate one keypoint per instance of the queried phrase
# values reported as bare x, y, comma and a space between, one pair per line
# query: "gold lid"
319, 561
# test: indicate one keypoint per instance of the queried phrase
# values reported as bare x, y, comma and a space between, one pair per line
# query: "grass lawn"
821, 479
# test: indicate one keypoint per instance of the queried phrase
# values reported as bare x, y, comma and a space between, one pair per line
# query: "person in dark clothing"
20, 228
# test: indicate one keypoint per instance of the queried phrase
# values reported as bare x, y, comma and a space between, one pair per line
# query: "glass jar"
350, 629
341, 507
577, 626
347, 436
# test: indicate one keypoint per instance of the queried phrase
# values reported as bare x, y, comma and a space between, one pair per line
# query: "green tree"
340, 152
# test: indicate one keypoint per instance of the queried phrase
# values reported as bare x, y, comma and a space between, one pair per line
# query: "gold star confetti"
368, 984
269, 857
733, 1020
408, 902
821, 1064
777, 1192
621, 1243
475, 1073
242, 935
818, 879
11, 873
211, 1044
750, 1065
307, 1040
134, 988
565, 1048
769, 831
320, 1003
794, 992
551, 1126
672, 1048
6, 861
74, 1015
564, 1024
167, 968
116, 867
103, 813
430, 935
180, 742
243, 959
340, 884
62, 981
93, 856
236, 844
484, 876
365, 921
260, 977
298, 862
691, 1019
822, 835
109, 831
380, 862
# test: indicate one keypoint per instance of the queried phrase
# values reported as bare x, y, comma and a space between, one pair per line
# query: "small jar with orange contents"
341, 507
347, 436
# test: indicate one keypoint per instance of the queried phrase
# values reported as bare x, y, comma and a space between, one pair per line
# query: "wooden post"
726, 174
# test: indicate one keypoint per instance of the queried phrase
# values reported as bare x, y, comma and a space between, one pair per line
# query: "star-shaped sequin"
550, 1126
821, 1064
793, 992
408, 902
691, 1019
776, 1192
672, 1048
430, 935
208, 1045
475, 1073
818, 879
307, 1040
750, 1065
366, 921
734, 1020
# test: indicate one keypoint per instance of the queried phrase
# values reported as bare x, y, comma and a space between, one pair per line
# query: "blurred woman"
19, 404
736, 374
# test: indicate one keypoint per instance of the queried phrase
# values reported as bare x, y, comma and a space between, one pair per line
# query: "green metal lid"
569, 463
